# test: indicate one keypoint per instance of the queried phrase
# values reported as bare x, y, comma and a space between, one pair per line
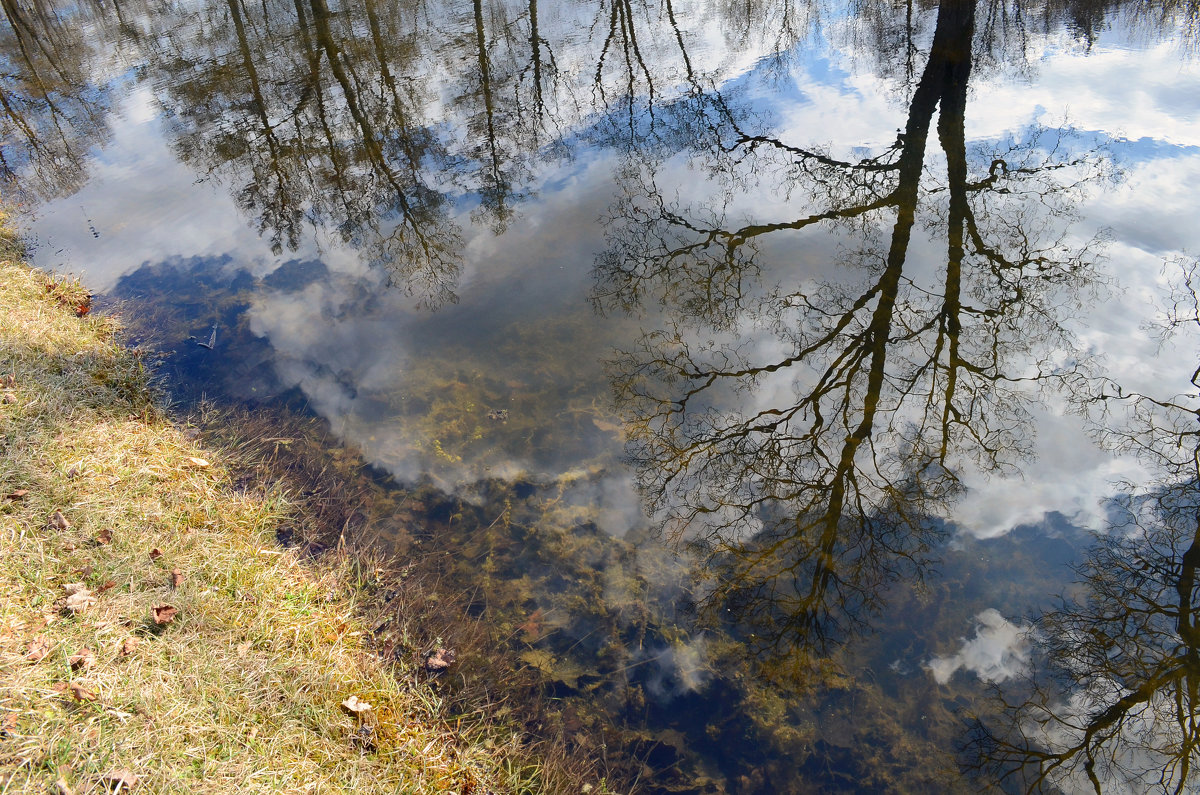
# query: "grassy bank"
153, 634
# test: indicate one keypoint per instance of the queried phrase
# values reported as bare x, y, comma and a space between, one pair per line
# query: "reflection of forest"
801, 418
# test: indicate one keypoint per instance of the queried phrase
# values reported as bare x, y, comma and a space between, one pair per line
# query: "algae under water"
782, 383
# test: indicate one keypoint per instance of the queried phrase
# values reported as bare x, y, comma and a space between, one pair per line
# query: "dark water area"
805, 391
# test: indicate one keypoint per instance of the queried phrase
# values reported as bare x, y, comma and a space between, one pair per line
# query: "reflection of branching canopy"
50, 113
894, 383
1116, 700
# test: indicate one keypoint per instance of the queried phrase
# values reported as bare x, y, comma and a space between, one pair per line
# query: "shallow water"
765, 368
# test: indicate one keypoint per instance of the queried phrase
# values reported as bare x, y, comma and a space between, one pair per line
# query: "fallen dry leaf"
39, 647
79, 598
82, 660
176, 578
163, 614
198, 463
156, 553
128, 646
119, 780
58, 521
9, 397
106, 586
356, 706
8, 724
104, 537
69, 546
81, 693
244, 648
61, 787
440, 660
16, 495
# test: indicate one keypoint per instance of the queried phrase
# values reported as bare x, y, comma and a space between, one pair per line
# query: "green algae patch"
153, 635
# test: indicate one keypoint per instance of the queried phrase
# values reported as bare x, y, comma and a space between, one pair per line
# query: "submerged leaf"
439, 660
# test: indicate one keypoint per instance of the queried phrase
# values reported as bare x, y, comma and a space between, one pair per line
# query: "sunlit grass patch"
153, 633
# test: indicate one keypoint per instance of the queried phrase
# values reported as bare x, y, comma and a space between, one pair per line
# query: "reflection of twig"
212, 339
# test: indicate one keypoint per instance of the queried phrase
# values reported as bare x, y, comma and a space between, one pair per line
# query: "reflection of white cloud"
1000, 650
1069, 475
146, 206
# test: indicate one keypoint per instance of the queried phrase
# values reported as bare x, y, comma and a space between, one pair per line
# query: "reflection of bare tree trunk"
945, 77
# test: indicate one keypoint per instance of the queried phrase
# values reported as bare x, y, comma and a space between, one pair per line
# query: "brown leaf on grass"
69, 546
82, 660
79, 598
439, 660
104, 537
81, 693
198, 463
156, 553
9, 380
86, 571
58, 521
176, 577
61, 787
8, 724
9, 398
119, 780
16, 495
163, 614
128, 646
106, 586
356, 706
39, 647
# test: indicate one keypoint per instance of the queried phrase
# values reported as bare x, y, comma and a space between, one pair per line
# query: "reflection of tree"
893, 382
303, 107
1117, 701
50, 114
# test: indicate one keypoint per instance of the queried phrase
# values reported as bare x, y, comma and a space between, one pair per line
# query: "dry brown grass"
241, 692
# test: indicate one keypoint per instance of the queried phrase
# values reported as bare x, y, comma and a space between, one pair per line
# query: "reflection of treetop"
848, 400
50, 113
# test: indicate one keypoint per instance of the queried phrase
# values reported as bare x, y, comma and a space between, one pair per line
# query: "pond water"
809, 388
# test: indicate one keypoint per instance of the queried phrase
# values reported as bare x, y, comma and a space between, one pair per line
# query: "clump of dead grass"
248, 686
